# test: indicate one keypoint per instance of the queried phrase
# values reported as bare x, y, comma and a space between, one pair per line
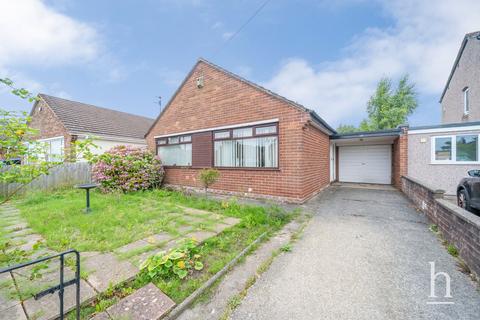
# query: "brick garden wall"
459, 227
226, 100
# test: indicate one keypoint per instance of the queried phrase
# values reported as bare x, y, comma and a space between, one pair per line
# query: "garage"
365, 164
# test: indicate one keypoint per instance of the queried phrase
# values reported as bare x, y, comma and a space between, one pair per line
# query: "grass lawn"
118, 219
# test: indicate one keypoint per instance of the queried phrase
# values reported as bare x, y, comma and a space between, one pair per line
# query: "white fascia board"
83, 135
444, 130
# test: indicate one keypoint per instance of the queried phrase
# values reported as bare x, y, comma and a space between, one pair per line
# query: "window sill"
247, 169
178, 167
461, 163
222, 168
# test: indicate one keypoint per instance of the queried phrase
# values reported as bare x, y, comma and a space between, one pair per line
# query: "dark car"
468, 191
9, 162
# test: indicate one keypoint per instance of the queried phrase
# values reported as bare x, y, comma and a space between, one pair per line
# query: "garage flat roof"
367, 134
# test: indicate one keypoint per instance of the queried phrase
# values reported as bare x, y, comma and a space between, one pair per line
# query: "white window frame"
164, 143
454, 149
466, 101
47, 155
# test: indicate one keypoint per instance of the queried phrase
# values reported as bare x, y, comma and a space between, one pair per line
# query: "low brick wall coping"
438, 192
459, 212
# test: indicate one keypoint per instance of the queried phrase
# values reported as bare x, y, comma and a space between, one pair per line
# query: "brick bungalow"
60, 122
263, 144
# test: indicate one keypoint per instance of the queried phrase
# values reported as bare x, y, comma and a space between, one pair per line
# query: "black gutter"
322, 122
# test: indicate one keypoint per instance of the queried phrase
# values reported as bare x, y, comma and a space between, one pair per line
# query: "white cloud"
227, 35
32, 33
423, 41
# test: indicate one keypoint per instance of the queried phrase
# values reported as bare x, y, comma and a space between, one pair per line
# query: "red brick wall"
400, 158
316, 161
48, 125
459, 227
225, 100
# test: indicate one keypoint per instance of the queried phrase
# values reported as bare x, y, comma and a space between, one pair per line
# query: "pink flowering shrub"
126, 169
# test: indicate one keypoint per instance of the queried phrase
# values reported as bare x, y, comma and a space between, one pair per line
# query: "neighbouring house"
441, 155
460, 100
60, 122
263, 144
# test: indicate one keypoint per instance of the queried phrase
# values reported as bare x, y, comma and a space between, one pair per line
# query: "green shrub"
452, 250
178, 262
125, 169
208, 177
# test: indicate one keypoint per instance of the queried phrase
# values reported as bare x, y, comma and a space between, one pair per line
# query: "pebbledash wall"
421, 165
459, 227
224, 100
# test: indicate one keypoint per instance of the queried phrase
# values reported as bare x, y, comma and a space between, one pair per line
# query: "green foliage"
102, 305
433, 228
179, 262
452, 250
208, 177
20, 92
125, 168
18, 142
346, 128
387, 108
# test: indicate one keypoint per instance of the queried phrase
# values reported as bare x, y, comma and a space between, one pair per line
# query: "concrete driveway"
365, 255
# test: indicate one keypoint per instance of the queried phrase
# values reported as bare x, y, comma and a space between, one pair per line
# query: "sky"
326, 55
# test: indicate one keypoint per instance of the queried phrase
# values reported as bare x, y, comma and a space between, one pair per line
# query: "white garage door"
365, 164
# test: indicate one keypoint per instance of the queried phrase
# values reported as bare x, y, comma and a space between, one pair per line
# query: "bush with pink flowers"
126, 169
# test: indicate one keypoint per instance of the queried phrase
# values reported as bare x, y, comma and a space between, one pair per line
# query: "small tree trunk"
206, 192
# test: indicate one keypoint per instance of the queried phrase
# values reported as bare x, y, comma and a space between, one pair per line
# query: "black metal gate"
62, 285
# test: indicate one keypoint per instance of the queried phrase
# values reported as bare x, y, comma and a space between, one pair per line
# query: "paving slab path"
364, 255
102, 269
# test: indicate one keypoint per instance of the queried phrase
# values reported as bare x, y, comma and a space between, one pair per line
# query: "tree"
386, 108
346, 128
17, 142
208, 177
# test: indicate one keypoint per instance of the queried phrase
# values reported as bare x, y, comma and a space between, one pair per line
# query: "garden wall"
459, 227
64, 175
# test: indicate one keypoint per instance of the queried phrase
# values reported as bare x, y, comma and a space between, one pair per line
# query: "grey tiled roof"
80, 117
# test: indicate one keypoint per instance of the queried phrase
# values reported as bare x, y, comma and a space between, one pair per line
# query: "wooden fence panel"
64, 175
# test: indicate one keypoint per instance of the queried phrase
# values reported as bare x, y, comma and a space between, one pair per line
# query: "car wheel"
463, 200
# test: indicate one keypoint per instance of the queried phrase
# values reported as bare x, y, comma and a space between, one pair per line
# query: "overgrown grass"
118, 219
